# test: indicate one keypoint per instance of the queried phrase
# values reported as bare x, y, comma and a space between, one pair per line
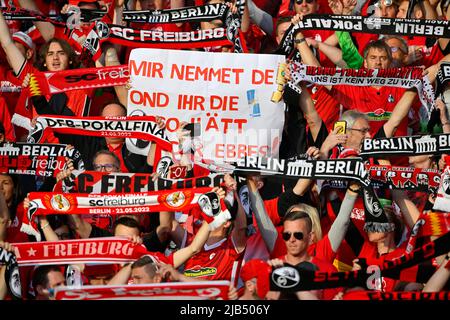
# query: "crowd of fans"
306, 223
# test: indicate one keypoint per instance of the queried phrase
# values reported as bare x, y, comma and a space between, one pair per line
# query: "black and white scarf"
291, 279
434, 144
12, 276
394, 77
207, 12
348, 169
37, 159
442, 78
140, 127
372, 25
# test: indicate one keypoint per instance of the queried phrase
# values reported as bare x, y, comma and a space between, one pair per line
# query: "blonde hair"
313, 215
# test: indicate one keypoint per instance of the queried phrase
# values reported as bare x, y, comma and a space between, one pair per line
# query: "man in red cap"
24, 43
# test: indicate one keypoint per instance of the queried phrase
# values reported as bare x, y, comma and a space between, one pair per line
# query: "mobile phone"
342, 127
194, 128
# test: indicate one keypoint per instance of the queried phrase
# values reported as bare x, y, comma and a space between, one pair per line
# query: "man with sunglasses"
297, 235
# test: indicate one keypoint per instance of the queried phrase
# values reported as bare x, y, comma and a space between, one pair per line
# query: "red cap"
24, 39
260, 270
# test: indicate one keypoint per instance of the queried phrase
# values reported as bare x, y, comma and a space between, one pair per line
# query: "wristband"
352, 190
298, 41
48, 223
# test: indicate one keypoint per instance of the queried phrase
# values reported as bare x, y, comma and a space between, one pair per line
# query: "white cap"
24, 39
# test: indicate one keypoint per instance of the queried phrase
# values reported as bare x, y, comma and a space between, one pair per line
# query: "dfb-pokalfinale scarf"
140, 127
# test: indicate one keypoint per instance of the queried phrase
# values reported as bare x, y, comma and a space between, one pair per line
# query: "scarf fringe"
28, 229
379, 227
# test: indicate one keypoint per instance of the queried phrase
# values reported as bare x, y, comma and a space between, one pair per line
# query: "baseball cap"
260, 270
24, 39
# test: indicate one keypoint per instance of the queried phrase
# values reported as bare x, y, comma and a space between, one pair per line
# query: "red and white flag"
201, 290
47, 83
45, 203
94, 250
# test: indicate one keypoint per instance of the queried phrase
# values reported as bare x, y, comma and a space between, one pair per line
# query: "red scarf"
117, 182
95, 250
47, 83
45, 203
376, 295
204, 290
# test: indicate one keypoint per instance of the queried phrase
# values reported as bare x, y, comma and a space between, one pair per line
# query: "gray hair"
108, 153
350, 116
404, 44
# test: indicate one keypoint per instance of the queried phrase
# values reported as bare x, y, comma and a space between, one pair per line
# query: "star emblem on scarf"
31, 252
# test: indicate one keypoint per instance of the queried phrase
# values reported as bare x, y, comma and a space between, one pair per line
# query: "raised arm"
409, 210
440, 278
340, 225
443, 115
13, 54
268, 231
333, 53
4, 215
184, 254
260, 17
309, 110
399, 113
121, 277
46, 29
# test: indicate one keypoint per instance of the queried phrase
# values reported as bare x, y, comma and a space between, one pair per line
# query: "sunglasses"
297, 235
301, 1
395, 49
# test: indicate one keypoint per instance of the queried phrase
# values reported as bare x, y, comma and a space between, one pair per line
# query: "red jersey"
327, 107
77, 100
13, 233
320, 35
377, 104
369, 251
219, 261
5, 119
